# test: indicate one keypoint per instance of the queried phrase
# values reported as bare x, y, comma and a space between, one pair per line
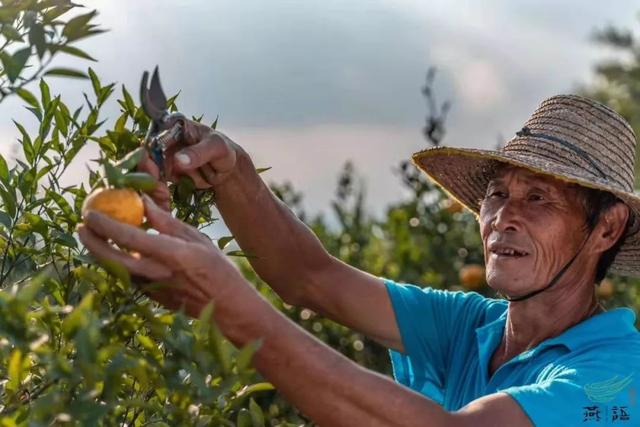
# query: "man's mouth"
508, 252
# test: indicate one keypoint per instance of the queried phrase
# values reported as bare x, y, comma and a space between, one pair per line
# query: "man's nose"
509, 216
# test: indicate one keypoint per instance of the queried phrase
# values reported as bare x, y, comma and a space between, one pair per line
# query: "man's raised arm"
286, 253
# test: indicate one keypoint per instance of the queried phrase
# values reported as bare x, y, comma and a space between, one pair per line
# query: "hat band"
579, 151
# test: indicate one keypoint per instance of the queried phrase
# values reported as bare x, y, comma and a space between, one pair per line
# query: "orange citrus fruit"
472, 276
606, 289
121, 204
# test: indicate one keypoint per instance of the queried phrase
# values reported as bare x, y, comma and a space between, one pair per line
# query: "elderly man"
556, 209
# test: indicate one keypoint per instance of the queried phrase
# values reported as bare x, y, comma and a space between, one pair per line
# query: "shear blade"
155, 91
150, 107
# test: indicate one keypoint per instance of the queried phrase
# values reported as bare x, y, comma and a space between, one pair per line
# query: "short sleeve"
582, 396
429, 320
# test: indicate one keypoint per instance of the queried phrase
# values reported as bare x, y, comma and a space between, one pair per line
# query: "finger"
141, 266
165, 223
161, 196
162, 247
213, 149
176, 296
197, 178
208, 173
173, 175
194, 132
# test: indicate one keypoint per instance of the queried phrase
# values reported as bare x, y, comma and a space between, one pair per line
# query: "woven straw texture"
569, 137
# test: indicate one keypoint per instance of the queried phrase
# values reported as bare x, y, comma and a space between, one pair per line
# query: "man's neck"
544, 316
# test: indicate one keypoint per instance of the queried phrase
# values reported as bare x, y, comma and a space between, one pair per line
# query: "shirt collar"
616, 323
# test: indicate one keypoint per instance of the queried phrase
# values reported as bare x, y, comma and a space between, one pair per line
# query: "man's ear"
610, 227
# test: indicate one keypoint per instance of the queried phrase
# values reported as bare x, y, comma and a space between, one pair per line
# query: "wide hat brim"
464, 174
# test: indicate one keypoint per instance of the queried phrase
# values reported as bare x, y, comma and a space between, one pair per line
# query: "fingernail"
183, 159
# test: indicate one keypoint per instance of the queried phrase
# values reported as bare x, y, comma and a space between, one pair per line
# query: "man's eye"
536, 197
496, 194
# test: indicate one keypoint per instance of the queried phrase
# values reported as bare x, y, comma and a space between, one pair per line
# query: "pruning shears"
165, 126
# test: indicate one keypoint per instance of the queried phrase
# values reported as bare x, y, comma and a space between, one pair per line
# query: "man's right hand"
204, 154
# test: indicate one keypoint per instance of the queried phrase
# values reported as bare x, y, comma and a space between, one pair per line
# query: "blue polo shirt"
587, 376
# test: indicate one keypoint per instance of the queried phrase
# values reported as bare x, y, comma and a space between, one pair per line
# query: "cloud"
307, 85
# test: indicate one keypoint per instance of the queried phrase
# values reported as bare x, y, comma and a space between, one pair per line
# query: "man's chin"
507, 283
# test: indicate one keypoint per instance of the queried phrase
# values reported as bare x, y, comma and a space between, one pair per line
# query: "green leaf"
254, 388
139, 181
78, 318
62, 121
77, 26
28, 97
95, 82
184, 189
27, 144
206, 315
56, 11
27, 293
37, 38
66, 239
45, 126
257, 417
66, 72
37, 224
4, 170
260, 170
245, 355
60, 201
128, 101
45, 93
224, 241
17, 62
220, 350
45, 170
215, 123
113, 174
9, 201
10, 32
105, 93
36, 112
5, 220
131, 160
240, 254
244, 418
14, 370
121, 123
117, 270
72, 50
171, 102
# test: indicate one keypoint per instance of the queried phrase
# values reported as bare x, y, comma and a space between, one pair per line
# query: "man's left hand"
195, 271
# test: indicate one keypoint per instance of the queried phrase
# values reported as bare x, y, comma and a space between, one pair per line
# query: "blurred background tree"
617, 85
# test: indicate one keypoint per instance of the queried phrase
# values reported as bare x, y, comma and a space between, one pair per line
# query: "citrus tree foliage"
33, 32
79, 344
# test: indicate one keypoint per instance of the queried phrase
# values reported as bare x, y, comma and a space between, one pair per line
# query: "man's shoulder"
609, 338
477, 307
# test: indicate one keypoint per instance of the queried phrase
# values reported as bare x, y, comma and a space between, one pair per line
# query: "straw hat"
568, 137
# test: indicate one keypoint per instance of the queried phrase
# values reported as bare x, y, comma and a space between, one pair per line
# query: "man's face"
531, 225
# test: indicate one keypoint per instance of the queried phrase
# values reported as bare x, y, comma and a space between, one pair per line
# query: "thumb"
214, 149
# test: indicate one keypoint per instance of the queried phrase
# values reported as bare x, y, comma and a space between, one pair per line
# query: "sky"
305, 86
